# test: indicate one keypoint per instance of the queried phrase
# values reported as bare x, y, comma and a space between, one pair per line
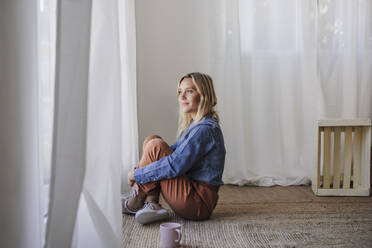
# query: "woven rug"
269, 217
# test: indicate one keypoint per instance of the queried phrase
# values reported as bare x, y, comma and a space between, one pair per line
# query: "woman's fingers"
135, 189
131, 180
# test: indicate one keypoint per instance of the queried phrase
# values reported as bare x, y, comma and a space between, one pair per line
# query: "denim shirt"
200, 154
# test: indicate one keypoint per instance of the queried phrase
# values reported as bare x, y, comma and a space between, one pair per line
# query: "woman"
188, 173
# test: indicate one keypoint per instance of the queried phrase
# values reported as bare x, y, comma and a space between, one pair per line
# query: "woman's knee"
155, 149
157, 142
157, 146
149, 138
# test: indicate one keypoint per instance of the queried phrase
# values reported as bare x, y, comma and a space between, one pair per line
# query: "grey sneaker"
151, 212
124, 203
125, 208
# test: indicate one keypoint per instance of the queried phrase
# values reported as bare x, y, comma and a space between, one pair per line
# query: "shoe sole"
150, 217
126, 210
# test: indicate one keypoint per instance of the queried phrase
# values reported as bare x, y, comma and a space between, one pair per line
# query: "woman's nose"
182, 95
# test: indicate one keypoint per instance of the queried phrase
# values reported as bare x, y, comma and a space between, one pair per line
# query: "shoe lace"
151, 205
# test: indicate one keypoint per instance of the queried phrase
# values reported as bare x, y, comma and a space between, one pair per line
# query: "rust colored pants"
188, 198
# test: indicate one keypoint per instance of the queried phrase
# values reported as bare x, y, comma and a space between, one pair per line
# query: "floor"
269, 217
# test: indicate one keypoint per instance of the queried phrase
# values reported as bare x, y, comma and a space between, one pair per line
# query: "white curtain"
275, 73
70, 120
112, 130
95, 131
91, 117
345, 57
20, 184
128, 69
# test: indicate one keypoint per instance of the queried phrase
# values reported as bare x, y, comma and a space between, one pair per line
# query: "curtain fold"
70, 119
100, 220
95, 129
129, 120
20, 183
273, 80
95, 121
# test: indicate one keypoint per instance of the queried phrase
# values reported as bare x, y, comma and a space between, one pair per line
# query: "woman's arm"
199, 142
174, 146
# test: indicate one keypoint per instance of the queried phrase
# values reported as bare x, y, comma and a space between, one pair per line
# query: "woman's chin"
185, 110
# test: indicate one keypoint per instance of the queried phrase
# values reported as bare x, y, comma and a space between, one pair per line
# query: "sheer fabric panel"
20, 183
127, 35
101, 139
266, 61
99, 222
70, 119
345, 57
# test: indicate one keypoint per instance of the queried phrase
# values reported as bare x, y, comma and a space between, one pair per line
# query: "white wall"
171, 41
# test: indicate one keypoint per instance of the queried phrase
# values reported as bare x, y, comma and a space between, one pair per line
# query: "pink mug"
170, 234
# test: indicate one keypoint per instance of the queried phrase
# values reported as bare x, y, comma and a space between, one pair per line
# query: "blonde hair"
208, 100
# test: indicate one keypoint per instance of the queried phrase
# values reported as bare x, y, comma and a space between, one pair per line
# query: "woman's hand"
131, 180
135, 190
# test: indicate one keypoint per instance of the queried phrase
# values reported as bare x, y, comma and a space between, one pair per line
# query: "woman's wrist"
131, 179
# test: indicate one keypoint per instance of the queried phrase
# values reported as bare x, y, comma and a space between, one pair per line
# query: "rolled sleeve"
174, 146
194, 147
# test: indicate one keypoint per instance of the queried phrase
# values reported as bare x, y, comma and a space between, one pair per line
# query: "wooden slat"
344, 122
362, 191
356, 157
336, 158
342, 160
347, 154
327, 158
319, 155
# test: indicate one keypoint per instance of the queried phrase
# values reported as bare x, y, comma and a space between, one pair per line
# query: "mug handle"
179, 235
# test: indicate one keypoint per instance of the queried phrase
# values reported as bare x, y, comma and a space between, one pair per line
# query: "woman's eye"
190, 91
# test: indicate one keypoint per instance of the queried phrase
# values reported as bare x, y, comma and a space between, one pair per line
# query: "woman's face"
188, 97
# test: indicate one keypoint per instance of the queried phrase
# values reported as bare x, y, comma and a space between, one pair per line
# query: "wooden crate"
342, 157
